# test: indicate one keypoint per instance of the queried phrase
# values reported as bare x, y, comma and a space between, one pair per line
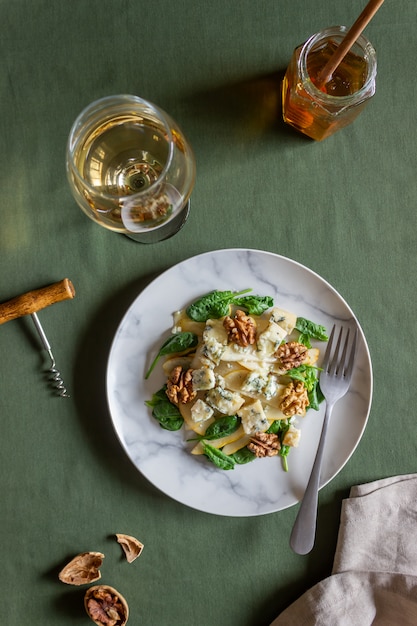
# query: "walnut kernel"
264, 444
106, 606
292, 354
241, 329
180, 386
294, 400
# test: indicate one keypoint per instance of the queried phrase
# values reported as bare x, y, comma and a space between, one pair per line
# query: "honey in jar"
317, 110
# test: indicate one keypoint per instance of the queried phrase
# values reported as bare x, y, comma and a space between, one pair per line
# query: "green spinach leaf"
308, 330
213, 305
284, 452
242, 456
308, 374
254, 305
222, 426
176, 343
221, 460
164, 411
277, 426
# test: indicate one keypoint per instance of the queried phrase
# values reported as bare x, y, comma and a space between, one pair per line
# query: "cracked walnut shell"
294, 400
241, 329
106, 606
180, 386
82, 569
132, 547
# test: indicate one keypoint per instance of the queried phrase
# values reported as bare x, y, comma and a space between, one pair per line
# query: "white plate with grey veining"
162, 456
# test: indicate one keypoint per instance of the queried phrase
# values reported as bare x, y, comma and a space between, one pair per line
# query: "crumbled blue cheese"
285, 319
260, 382
203, 379
220, 381
214, 340
269, 340
271, 387
254, 383
253, 418
224, 401
201, 411
200, 360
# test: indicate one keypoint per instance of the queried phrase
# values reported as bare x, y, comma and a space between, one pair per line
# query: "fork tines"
337, 361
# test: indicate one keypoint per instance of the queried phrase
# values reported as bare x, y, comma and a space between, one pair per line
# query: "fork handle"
304, 530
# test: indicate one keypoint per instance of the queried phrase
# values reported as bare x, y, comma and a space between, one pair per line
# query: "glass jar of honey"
317, 110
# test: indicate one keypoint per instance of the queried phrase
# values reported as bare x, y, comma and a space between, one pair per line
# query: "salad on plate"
240, 372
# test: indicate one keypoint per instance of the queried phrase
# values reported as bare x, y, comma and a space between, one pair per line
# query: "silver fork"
334, 382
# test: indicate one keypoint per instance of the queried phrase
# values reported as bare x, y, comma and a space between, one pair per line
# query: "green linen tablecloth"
346, 208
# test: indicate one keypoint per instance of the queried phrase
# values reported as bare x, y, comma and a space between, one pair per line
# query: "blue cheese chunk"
201, 411
224, 401
285, 319
214, 340
271, 387
203, 379
255, 382
253, 418
269, 340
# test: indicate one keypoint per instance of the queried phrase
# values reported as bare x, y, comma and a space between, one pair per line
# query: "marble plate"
163, 457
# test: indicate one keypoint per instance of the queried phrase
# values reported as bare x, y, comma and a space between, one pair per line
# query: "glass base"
165, 231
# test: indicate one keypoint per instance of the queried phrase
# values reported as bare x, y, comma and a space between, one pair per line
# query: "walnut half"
291, 354
180, 386
106, 606
241, 329
294, 400
264, 444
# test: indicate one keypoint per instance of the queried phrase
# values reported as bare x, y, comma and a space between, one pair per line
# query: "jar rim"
328, 33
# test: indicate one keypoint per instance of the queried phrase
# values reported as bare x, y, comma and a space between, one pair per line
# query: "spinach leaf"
308, 374
164, 411
217, 304
222, 427
281, 428
242, 456
176, 343
284, 452
218, 457
254, 305
277, 426
213, 305
310, 330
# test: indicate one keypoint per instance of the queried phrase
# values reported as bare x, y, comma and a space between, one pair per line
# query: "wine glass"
130, 168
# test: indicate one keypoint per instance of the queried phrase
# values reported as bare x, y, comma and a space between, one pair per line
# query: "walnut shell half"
105, 605
132, 547
82, 569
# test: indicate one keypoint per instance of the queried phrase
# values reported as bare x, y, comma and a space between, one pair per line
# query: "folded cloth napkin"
374, 576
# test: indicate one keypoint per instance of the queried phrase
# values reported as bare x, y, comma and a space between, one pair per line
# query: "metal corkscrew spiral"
54, 376
28, 304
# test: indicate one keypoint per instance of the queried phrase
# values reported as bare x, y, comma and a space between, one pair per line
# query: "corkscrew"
28, 304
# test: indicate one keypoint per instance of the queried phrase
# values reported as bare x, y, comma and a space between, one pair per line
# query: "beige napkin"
374, 577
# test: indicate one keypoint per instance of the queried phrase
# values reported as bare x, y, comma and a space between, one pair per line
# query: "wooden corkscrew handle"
35, 300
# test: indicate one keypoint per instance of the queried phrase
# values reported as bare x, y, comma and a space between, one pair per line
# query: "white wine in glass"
130, 168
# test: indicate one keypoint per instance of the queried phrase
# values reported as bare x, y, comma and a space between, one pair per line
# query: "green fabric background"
346, 208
